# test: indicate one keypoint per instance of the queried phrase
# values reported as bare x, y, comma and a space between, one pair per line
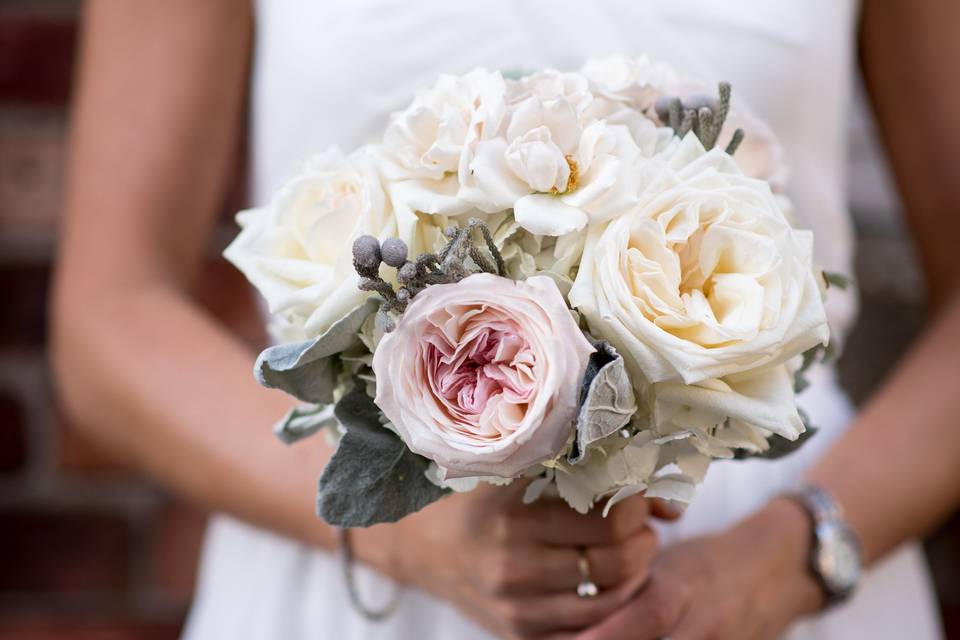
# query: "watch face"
838, 557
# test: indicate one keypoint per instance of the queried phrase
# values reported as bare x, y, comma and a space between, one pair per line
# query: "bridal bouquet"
589, 281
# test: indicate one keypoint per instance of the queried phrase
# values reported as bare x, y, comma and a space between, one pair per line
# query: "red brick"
176, 538
31, 178
36, 59
63, 551
64, 629
13, 437
23, 289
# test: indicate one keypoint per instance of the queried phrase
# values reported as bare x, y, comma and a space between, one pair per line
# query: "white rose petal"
296, 250
761, 398
426, 139
538, 161
704, 278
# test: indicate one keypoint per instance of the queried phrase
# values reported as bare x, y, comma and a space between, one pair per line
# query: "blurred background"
88, 549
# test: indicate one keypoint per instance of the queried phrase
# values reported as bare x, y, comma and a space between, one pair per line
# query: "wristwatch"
836, 556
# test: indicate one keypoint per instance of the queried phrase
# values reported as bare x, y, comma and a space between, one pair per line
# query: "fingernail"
673, 508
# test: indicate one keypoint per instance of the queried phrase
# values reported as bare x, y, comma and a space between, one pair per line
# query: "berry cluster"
461, 257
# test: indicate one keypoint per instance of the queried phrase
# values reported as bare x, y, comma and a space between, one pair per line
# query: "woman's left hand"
747, 583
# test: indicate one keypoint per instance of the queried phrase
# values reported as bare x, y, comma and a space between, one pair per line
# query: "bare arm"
155, 131
905, 445
895, 471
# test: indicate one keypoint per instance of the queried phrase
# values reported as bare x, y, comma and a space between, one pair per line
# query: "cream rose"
483, 376
296, 250
738, 411
704, 278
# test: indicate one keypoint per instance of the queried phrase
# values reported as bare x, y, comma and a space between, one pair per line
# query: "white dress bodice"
329, 72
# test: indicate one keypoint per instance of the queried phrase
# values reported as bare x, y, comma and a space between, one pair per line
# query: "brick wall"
88, 549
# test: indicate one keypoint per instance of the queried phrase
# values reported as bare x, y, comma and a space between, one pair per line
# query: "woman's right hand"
514, 567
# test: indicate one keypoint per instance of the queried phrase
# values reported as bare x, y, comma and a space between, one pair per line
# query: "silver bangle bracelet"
345, 551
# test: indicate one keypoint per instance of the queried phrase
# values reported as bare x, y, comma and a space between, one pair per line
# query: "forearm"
895, 472
154, 138
156, 379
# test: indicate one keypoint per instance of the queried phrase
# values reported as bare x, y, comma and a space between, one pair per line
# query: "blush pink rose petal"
483, 376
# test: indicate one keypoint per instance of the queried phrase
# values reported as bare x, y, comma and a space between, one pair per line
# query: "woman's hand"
513, 567
748, 583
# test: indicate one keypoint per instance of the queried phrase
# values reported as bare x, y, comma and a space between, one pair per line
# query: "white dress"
329, 72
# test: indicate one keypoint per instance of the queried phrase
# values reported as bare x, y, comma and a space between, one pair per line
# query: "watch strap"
818, 502
823, 511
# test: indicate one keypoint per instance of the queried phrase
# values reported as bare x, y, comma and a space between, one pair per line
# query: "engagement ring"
587, 587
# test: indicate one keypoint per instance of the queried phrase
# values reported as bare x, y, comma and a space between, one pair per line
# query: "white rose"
565, 159
427, 137
423, 143
738, 411
704, 278
607, 174
297, 249
538, 161
539, 132
549, 99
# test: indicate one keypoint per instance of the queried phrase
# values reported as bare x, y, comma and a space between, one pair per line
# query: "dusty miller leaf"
373, 477
303, 421
307, 370
607, 401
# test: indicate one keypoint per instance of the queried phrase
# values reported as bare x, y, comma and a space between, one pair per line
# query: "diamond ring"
587, 587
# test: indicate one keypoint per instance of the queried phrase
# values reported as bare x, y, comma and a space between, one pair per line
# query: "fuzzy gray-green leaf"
607, 401
307, 370
303, 421
373, 477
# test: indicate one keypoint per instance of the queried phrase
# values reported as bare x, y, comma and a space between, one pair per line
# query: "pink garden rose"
483, 376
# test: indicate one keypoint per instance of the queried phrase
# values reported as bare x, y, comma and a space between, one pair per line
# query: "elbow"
71, 361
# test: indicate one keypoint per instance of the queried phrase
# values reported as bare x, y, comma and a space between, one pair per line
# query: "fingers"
529, 570
664, 509
652, 614
629, 561
553, 522
536, 616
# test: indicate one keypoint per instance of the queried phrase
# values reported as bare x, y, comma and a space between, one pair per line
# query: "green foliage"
373, 477
303, 421
837, 280
308, 370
